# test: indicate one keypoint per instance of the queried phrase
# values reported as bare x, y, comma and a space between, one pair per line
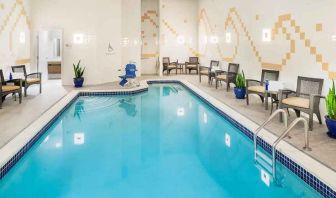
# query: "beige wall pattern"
14, 20
235, 20
150, 31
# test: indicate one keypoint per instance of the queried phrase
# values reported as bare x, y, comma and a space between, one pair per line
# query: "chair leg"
227, 86
200, 77
20, 96
262, 98
40, 87
297, 112
25, 91
1, 103
318, 114
216, 83
247, 99
311, 121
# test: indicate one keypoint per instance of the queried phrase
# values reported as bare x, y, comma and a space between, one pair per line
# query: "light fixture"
125, 41
22, 37
79, 138
180, 40
227, 140
265, 177
180, 112
228, 37
78, 38
333, 37
266, 35
205, 40
214, 39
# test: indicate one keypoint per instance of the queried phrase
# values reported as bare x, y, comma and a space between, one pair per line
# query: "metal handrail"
284, 134
255, 136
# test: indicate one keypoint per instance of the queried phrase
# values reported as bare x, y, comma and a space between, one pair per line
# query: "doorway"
50, 54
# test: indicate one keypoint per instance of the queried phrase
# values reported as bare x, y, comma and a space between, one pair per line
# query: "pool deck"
15, 118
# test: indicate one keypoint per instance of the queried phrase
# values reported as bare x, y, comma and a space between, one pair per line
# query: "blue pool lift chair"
130, 74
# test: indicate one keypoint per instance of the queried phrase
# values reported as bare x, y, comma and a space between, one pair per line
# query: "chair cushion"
221, 77
297, 101
33, 80
191, 66
171, 66
258, 89
204, 72
8, 88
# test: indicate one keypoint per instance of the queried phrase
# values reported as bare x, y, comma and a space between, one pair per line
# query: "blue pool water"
161, 143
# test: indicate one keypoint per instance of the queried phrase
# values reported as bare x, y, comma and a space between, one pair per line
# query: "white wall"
101, 24
178, 29
131, 33
14, 21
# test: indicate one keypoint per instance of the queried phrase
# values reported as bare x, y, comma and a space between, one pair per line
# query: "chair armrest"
39, 74
313, 98
219, 72
248, 81
283, 93
203, 68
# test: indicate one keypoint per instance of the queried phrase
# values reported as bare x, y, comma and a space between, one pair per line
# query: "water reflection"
167, 90
79, 109
129, 106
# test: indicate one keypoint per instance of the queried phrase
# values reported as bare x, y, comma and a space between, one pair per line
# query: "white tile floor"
14, 118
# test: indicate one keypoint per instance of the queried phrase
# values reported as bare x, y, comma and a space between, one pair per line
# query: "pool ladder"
272, 161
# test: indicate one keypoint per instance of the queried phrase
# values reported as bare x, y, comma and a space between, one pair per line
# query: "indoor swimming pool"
165, 142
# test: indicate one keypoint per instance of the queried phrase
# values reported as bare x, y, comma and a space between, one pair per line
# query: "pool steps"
260, 158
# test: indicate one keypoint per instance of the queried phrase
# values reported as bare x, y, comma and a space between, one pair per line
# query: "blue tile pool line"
310, 179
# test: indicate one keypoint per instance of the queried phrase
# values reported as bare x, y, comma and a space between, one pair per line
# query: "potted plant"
79, 72
240, 89
331, 108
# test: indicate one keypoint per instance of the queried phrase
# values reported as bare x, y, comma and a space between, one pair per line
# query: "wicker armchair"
29, 79
6, 89
257, 87
168, 66
207, 71
192, 64
306, 98
227, 77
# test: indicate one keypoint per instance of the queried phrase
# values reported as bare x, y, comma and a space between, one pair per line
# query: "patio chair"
258, 87
6, 89
227, 76
130, 74
306, 98
207, 71
29, 79
168, 66
192, 64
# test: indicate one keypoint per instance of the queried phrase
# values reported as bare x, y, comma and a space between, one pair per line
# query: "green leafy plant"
79, 71
331, 102
240, 81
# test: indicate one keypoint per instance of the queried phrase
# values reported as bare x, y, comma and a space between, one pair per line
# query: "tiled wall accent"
150, 31
288, 28
14, 21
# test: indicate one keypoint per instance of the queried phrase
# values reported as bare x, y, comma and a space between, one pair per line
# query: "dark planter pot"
240, 93
78, 82
331, 124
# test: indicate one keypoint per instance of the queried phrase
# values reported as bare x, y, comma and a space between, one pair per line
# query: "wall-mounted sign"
110, 50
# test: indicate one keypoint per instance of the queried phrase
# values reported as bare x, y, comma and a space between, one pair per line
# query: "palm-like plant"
240, 81
79, 71
331, 102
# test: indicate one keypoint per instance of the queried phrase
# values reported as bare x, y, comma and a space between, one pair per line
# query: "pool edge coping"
314, 167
